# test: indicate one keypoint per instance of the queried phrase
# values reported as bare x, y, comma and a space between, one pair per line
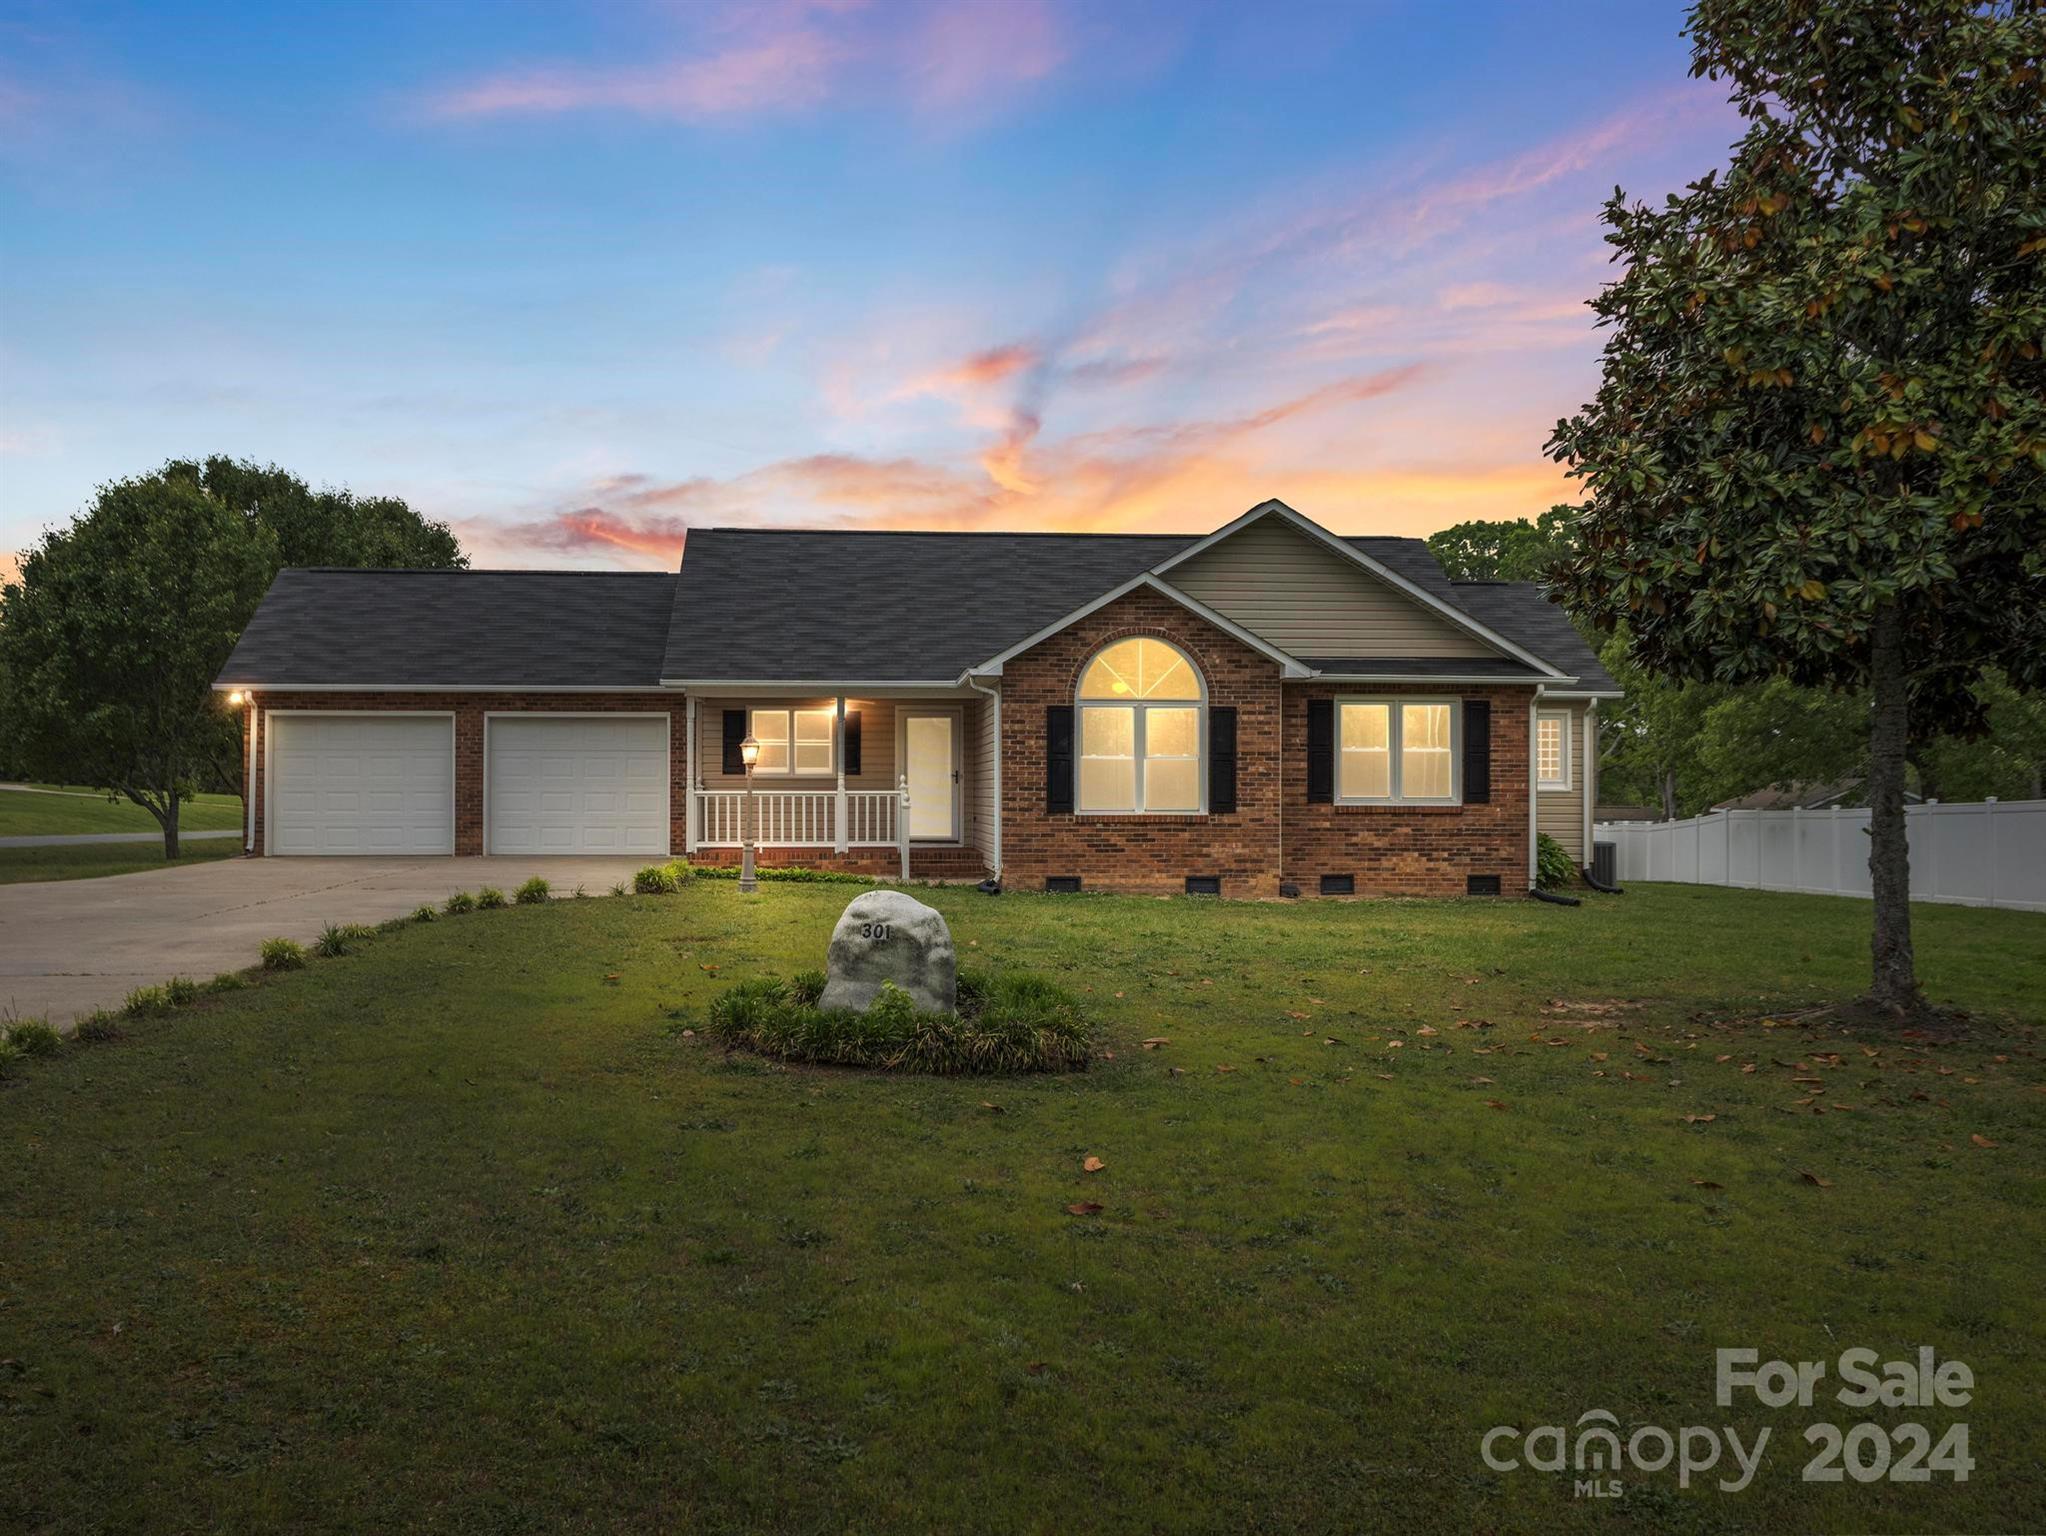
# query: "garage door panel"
345, 784
558, 784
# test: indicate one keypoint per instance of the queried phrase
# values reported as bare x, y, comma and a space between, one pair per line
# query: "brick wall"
469, 710
1142, 853
1410, 850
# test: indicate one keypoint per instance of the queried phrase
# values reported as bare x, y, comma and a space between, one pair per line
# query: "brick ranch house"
1266, 710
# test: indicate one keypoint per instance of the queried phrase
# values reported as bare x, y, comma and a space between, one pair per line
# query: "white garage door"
578, 784
362, 784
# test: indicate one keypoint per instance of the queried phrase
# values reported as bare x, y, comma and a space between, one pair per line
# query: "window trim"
1141, 709
1563, 716
789, 713
1394, 745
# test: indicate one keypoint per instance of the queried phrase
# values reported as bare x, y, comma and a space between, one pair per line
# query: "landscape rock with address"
891, 936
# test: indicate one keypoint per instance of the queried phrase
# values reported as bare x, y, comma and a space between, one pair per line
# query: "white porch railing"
800, 818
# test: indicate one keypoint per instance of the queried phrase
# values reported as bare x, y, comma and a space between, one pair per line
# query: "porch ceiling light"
237, 699
749, 751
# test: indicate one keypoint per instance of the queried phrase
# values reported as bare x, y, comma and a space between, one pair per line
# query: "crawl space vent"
1481, 885
1067, 885
1338, 885
1204, 885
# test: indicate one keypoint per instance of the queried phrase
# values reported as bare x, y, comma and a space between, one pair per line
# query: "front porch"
872, 785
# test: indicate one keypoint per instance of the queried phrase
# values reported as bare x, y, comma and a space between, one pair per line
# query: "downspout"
996, 695
1533, 779
249, 775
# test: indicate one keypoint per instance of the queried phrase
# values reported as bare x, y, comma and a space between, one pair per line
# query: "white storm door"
379, 784
931, 749
577, 784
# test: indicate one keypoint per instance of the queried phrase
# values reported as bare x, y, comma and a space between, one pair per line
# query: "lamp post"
749, 754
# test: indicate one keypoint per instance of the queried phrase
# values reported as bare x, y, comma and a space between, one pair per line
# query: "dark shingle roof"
476, 629
755, 604
1519, 611
758, 605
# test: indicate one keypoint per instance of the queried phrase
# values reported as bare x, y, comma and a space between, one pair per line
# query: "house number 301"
874, 931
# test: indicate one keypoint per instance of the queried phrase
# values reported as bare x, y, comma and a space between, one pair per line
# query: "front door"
931, 752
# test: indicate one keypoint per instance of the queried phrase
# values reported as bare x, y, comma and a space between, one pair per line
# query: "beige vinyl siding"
877, 745
979, 797
1309, 601
1560, 812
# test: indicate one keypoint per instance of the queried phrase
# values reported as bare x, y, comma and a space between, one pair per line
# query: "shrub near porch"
460, 1229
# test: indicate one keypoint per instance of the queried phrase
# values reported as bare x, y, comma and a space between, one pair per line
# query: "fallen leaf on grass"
1425, 1029
993, 1108
688, 1034
1386, 1075
1722, 1058
1812, 1178
1494, 1104
1225, 1069
611, 976
1291, 1014
1297, 1082
1481, 1080
1981, 1141
1155, 1041
1699, 1119
1093, 1165
1707, 1184
1598, 1055
1084, 1208
1035, 1367
710, 968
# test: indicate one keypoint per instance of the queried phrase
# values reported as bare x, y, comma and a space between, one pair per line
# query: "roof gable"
1312, 600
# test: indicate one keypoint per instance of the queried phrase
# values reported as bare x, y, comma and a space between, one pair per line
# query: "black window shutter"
1321, 751
1477, 751
735, 732
1222, 760
852, 743
1058, 757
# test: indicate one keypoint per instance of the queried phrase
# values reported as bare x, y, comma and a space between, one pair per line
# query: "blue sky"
578, 277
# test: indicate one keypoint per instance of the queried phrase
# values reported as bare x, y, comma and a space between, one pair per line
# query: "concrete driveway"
70, 946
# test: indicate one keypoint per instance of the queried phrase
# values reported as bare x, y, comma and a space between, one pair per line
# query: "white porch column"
838, 838
692, 830
902, 826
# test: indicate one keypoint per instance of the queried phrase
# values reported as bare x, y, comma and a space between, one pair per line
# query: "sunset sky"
577, 277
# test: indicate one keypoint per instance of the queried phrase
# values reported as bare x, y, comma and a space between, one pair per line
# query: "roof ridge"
955, 533
485, 570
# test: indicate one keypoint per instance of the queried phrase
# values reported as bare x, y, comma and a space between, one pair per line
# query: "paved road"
72, 839
70, 946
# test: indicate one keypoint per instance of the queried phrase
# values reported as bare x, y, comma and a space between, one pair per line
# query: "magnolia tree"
1818, 451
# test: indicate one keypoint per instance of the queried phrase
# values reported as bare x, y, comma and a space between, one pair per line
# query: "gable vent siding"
1310, 601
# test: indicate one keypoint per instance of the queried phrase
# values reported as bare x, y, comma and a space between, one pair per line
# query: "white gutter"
227, 687
996, 695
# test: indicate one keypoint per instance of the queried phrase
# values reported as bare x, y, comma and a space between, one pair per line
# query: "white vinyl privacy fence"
1991, 854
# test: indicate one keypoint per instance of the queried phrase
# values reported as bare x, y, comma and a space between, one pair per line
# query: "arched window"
1140, 739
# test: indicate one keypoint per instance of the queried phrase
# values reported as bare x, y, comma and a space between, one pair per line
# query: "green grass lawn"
460, 1232
26, 814
81, 861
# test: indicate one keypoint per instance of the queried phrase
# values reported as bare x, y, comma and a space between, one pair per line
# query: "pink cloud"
794, 58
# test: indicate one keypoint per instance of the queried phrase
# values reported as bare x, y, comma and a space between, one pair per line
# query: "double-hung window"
1140, 743
794, 741
1398, 751
1552, 749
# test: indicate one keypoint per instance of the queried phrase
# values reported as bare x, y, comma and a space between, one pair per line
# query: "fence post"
1989, 833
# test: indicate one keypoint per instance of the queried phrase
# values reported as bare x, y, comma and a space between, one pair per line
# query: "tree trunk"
1667, 786
170, 829
1894, 983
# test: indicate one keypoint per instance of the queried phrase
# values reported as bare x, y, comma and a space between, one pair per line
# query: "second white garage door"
577, 784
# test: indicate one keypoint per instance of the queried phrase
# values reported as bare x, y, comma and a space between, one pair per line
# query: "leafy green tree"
1650, 740
325, 527
1515, 550
1819, 444
1777, 734
2008, 761
110, 642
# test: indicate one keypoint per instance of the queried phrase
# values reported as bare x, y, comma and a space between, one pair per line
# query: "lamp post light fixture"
749, 754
